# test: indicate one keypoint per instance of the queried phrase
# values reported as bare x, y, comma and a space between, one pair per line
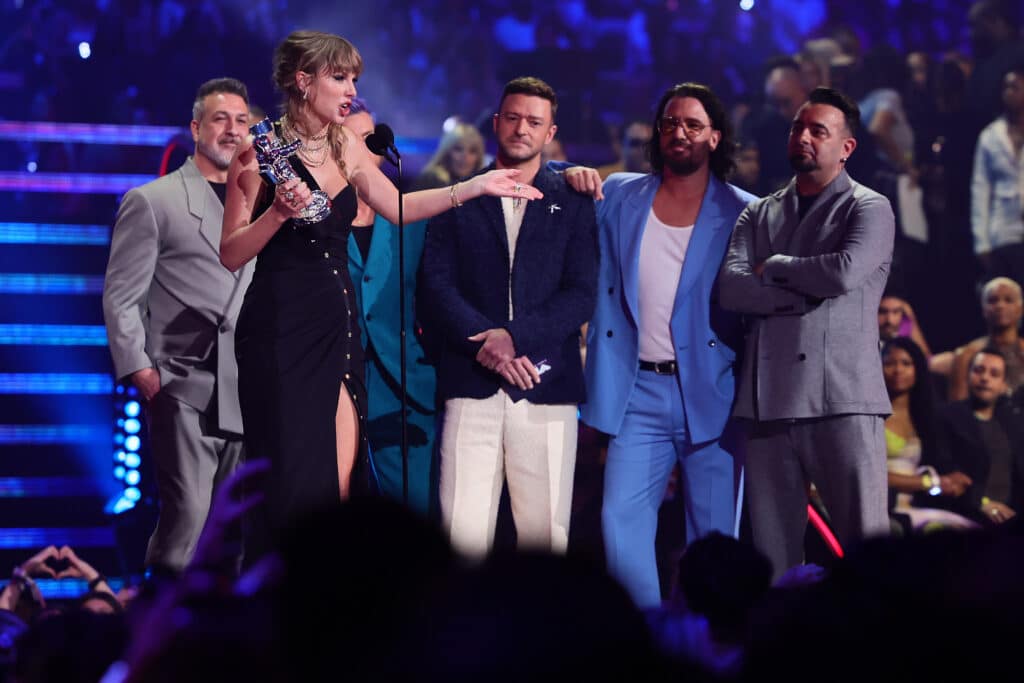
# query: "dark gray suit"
812, 377
168, 303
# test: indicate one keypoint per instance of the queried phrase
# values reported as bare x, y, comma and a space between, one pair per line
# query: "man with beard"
660, 351
985, 435
170, 309
807, 266
506, 284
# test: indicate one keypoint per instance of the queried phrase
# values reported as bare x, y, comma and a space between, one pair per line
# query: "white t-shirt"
662, 252
513, 214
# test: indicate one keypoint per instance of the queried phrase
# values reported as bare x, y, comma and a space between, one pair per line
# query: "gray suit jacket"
812, 344
167, 300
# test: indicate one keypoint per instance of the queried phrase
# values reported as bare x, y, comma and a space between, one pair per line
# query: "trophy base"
318, 209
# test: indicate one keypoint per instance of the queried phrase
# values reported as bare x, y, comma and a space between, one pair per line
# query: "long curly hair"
722, 159
923, 406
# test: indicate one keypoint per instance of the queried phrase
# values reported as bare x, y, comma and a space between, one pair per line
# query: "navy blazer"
466, 280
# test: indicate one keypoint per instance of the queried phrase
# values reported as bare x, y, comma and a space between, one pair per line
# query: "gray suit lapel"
204, 205
778, 230
816, 227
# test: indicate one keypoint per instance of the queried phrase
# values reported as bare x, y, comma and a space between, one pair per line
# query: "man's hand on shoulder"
585, 180
147, 381
497, 349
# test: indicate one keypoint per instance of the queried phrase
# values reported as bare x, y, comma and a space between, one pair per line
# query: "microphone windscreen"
381, 139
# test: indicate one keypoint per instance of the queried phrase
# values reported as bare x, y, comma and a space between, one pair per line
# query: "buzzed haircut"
834, 98
529, 85
230, 86
989, 351
1000, 281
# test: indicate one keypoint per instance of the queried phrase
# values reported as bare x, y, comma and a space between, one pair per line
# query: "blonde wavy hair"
464, 133
314, 52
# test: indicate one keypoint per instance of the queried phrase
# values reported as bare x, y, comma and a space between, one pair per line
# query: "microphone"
381, 141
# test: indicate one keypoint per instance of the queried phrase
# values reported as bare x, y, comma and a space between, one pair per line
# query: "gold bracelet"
453, 195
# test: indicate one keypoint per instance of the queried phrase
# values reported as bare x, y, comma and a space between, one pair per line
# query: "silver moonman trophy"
272, 155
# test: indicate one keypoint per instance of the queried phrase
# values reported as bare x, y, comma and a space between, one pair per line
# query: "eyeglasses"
691, 127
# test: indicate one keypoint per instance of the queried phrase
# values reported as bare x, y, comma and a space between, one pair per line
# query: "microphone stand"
396, 159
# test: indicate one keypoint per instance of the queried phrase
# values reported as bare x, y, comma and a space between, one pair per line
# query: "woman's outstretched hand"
501, 182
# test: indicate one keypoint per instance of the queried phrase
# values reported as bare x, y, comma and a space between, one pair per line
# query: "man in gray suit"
170, 309
807, 265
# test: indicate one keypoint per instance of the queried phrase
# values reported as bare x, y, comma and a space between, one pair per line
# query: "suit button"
609, 333
367, 278
712, 343
802, 356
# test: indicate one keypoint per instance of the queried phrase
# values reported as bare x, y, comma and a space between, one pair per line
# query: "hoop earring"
305, 94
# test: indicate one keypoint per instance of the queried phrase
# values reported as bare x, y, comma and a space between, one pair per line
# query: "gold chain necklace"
314, 160
307, 143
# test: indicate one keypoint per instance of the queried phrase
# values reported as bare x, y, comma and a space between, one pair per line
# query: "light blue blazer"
705, 337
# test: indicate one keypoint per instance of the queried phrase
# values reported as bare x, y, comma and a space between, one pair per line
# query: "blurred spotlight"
746, 5
84, 50
449, 124
32, 167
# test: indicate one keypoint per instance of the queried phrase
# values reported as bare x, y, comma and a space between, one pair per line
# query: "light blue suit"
376, 285
657, 420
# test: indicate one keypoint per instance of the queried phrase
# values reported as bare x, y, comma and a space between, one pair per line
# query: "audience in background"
985, 436
460, 153
915, 454
1003, 309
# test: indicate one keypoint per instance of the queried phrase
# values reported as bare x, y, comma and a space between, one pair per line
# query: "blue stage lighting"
132, 477
119, 472
132, 443
132, 494
119, 438
84, 50
132, 460
746, 5
120, 456
132, 426
132, 408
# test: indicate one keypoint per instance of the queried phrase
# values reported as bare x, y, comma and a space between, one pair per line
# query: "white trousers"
486, 441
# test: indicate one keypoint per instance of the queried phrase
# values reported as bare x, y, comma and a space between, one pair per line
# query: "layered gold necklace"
315, 149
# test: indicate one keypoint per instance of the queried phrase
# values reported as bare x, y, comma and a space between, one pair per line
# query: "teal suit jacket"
705, 337
376, 285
